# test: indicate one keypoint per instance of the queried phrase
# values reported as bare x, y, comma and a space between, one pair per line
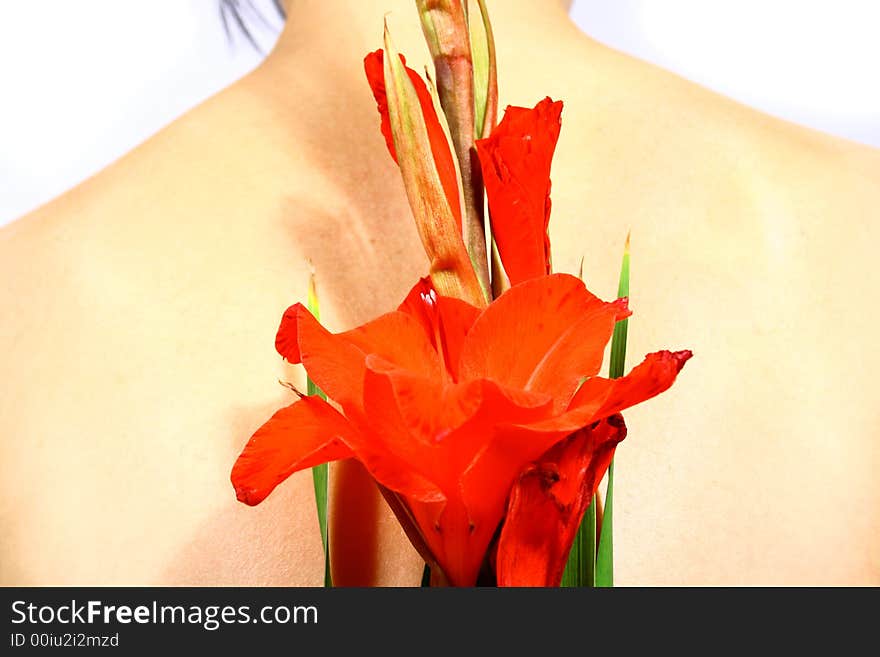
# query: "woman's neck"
335, 36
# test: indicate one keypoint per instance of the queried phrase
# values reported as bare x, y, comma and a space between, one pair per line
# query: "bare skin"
140, 310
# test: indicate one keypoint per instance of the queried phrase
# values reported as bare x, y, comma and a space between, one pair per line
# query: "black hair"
240, 12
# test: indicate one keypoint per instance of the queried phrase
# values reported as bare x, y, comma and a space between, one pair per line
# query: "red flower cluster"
472, 417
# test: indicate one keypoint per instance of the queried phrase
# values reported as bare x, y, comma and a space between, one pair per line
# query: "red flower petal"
598, 397
310, 432
374, 68
543, 335
287, 337
411, 415
299, 436
548, 502
332, 362
441, 428
578, 352
399, 339
515, 160
335, 362
393, 472
446, 320
438, 431
485, 484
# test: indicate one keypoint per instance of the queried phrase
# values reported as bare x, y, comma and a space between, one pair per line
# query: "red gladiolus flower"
515, 160
452, 408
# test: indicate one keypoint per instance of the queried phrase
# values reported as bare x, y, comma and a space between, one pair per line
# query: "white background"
84, 81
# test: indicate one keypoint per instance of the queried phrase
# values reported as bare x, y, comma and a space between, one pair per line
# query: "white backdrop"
84, 81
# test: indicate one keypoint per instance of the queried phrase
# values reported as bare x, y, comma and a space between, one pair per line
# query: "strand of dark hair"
236, 12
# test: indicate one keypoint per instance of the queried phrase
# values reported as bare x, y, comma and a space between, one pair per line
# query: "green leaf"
580, 569
618, 340
605, 556
320, 473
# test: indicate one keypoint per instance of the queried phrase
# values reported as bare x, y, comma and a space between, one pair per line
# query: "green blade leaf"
321, 479
605, 556
320, 473
580, 569
605, 553
618, 340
